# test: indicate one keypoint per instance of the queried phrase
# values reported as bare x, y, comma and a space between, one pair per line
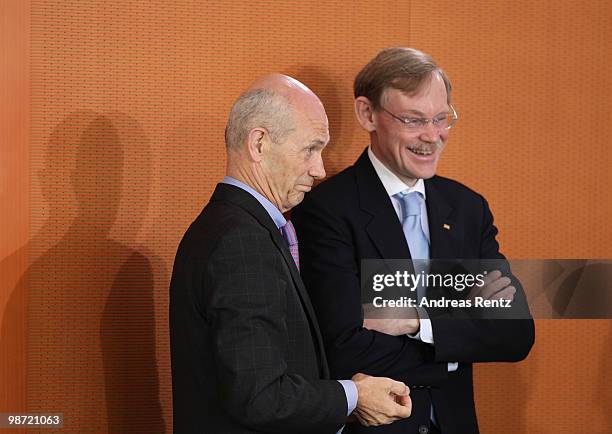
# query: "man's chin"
295, 200
428, 174
415, 168
425, 172
410, 177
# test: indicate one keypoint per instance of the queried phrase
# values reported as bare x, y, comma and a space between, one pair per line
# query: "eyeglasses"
444, 121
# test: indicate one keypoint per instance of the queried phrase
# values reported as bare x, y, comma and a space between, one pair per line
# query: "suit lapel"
281, 244
243, 199
445, 233
384, 228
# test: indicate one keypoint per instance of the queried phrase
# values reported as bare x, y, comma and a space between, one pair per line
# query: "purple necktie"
288, 232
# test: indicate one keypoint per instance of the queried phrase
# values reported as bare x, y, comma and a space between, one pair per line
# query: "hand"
393, 327
495, 287
394, 321
381, 400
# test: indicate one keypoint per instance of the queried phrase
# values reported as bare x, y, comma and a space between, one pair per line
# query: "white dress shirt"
394, 185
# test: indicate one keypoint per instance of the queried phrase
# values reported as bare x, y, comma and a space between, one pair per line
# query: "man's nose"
430, 133
317, 170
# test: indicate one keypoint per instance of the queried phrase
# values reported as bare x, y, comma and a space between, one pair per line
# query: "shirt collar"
272, 210
390, 181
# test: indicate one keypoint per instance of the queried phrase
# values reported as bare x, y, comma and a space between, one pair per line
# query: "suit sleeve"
248, 314
460, 338
331, 271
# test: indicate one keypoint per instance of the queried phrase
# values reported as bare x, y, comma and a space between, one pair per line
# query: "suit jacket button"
423, 429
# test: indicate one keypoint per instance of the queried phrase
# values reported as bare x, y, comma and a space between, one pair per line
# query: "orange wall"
14, 197
112, 122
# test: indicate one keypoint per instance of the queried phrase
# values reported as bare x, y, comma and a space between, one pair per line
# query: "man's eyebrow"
317, 142
413, 111
420, 113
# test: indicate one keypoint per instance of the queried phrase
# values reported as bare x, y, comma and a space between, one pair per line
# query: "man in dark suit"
247, 354
390, 205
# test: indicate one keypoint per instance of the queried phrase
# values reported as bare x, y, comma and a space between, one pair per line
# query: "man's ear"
365, 113
256, 142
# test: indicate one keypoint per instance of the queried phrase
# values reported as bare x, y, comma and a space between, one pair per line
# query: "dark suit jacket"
350, 217
247, 354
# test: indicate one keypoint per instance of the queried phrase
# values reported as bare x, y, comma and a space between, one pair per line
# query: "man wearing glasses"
391, 205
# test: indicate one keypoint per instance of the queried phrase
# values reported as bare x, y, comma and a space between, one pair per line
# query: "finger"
399, 388
408, 404
495, 286
477, 290
403, 400
506, 294
491, 276
379, 325
402, 411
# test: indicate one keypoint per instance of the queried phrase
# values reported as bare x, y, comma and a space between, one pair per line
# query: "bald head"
276, 132
285, 86
273, 102
279, 83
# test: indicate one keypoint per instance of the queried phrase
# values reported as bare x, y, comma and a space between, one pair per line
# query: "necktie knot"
411, 203
288, 232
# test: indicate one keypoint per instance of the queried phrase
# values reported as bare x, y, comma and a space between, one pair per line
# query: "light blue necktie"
411, 204
411, 223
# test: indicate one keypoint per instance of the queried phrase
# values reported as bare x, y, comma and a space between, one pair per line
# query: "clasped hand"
381, 400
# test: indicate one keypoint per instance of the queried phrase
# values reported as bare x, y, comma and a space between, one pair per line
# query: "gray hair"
259, 108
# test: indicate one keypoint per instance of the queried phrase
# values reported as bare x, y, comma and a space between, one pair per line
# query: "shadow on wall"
585, 293
90, 338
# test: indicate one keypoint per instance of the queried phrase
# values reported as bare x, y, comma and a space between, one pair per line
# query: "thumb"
404, 401
402, 407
